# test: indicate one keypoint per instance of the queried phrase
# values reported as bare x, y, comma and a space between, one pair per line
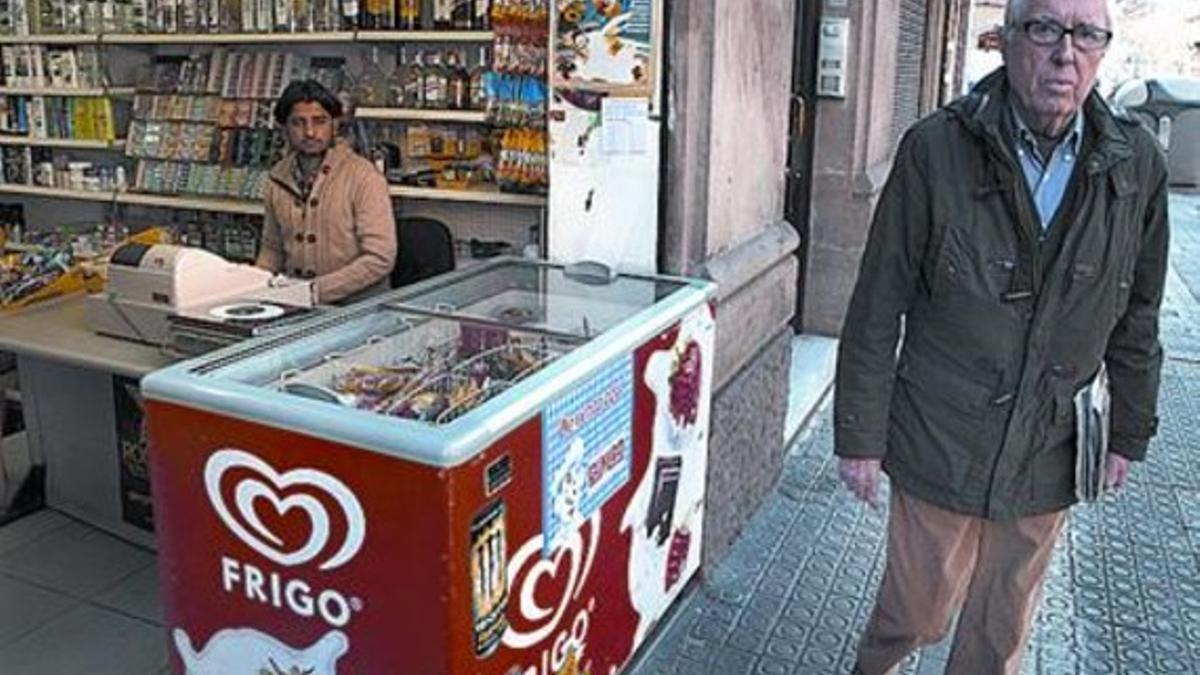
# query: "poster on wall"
605, 46
135, 464
587, 444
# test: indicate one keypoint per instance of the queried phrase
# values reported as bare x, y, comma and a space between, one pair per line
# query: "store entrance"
800, 138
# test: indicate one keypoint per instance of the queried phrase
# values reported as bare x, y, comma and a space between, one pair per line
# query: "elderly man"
1020, 243
328, 213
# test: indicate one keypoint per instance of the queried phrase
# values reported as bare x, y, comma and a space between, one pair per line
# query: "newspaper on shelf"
1092, 408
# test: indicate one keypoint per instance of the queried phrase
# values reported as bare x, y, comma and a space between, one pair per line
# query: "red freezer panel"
284, 553
586, 606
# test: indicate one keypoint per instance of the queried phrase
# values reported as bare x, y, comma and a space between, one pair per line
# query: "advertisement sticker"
587, 441
136, 503
489, 578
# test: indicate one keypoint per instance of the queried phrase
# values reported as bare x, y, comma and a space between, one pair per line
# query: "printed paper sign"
587, 440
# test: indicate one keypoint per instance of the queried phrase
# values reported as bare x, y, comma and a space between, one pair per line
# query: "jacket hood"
981, 111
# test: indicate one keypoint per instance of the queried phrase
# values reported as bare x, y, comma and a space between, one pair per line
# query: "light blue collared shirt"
1047, 180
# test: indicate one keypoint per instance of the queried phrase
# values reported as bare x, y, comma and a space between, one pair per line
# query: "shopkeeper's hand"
1116, 471
861, 477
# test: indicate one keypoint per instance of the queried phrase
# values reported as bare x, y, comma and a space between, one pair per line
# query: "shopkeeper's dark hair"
306, 91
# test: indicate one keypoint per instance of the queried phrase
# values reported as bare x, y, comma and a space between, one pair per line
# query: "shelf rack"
72, 91
54, 193
255, 207
418, 114
472, 195
460, 36
73, 143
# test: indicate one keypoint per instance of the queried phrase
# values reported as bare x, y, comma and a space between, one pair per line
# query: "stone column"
728, 88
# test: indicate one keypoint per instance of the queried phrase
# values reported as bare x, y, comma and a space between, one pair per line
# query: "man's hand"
1116, 471
861, 476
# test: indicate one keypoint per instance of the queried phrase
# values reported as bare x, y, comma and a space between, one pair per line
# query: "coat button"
326, 169
300, 237
297, 272
313, 203
310, 274
312, 238
299, 203
1062, 370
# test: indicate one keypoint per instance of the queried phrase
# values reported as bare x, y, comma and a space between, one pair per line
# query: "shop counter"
82, 408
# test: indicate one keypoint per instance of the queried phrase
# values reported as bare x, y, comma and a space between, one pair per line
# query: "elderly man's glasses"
1048, 33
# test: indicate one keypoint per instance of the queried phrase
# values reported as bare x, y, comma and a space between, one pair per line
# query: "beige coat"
343, 235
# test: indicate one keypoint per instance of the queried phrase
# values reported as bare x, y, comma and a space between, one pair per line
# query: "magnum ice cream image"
489, 578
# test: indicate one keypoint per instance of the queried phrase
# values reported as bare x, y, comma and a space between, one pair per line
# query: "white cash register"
149, 283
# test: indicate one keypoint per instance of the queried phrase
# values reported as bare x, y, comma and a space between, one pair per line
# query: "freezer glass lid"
542, 297
432, 369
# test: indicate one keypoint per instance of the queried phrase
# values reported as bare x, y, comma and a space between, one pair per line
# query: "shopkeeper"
328, 212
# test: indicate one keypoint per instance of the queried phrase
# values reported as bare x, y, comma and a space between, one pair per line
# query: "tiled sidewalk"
1122, 597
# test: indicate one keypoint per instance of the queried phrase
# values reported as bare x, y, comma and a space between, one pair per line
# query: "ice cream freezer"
500, 471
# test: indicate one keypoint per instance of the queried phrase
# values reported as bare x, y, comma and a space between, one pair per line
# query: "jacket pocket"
938, 424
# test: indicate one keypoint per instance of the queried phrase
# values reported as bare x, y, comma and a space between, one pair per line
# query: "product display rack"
373, 36
478, 195
70, 143
217, 204
470, 195
422, 115
468, 36
49, 39
55, 193
190, 203
95, 92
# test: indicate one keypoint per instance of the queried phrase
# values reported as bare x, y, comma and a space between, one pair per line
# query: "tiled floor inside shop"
75, 600
1123, 596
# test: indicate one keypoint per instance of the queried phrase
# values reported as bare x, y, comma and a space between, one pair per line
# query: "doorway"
801, 129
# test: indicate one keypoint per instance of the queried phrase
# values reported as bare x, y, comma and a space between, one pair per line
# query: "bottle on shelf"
462, 14
325, 15
372, 89
283, 17
349, 14
303, 16
408, 14
414, 84
476, 93
396, 81
458, 85
378, 15
443, 14
435, 83
483, 15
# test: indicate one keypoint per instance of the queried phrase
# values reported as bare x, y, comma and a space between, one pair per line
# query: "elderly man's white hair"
1016, 9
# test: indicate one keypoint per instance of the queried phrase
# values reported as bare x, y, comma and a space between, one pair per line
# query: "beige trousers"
939, 561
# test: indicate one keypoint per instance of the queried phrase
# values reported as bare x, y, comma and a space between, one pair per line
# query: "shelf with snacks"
135, 39
117, 144
56, 193
49, 39
475, 195
87, 92
422, 115
226, 86
299, 37
467, 36
191, 203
